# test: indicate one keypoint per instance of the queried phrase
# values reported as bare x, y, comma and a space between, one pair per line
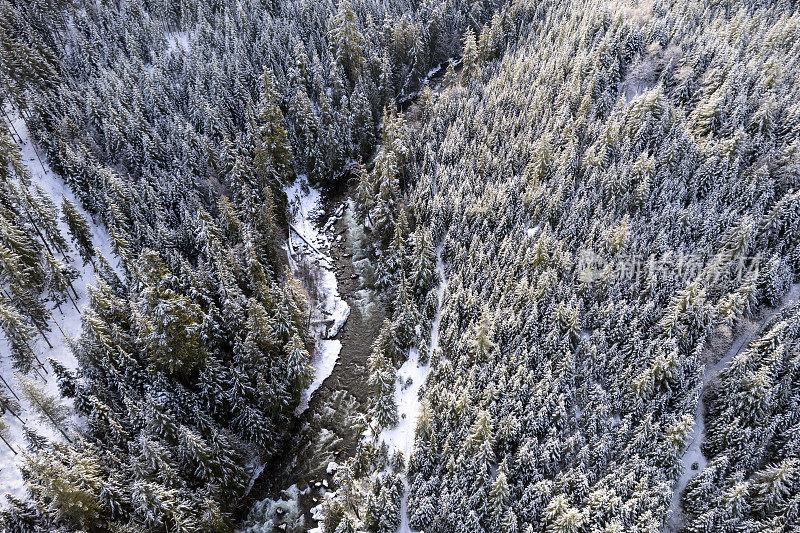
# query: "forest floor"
65, 321
730, 343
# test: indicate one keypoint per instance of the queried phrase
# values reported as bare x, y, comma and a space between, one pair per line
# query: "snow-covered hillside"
64, 324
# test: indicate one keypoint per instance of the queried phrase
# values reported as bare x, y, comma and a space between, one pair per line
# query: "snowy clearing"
311, 263
64, 323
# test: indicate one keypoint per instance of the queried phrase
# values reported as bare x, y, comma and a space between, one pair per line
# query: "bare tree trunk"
10, 410
304, 239
7, 444
75, 305
9, 387
11, 126
36, 150
59, 329
41, 331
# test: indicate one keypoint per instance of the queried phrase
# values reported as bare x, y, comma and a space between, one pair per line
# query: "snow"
176, 40
401, 437
693, 453
641, 77
432, 72
423, 82
634, 89
64, 323
310, 260
318, 515
256, 469
281, 514
326, 353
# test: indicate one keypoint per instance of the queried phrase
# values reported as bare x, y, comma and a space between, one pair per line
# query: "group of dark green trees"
614, 187
177, 125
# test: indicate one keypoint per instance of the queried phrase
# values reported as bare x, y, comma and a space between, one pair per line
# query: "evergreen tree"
382, 379
347, 41
48, 407
169, 323
272, 154
469, 57
78, 229
20, 337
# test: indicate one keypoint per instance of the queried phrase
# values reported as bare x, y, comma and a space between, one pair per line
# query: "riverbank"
326, 429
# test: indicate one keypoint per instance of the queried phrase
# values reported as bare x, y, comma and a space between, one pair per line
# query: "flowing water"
326, 431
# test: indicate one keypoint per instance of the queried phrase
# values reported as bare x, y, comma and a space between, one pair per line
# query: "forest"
400, 265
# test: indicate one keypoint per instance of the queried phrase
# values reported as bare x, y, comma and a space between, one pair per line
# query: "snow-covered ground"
431, 74
401, 437
693, 453
309, 253
406, 395
64, 323
178, 39
177, 42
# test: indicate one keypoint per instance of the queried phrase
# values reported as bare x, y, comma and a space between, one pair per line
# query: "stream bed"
325, 232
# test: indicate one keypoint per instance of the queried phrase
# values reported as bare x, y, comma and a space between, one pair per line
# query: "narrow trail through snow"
693, 453
401, 437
